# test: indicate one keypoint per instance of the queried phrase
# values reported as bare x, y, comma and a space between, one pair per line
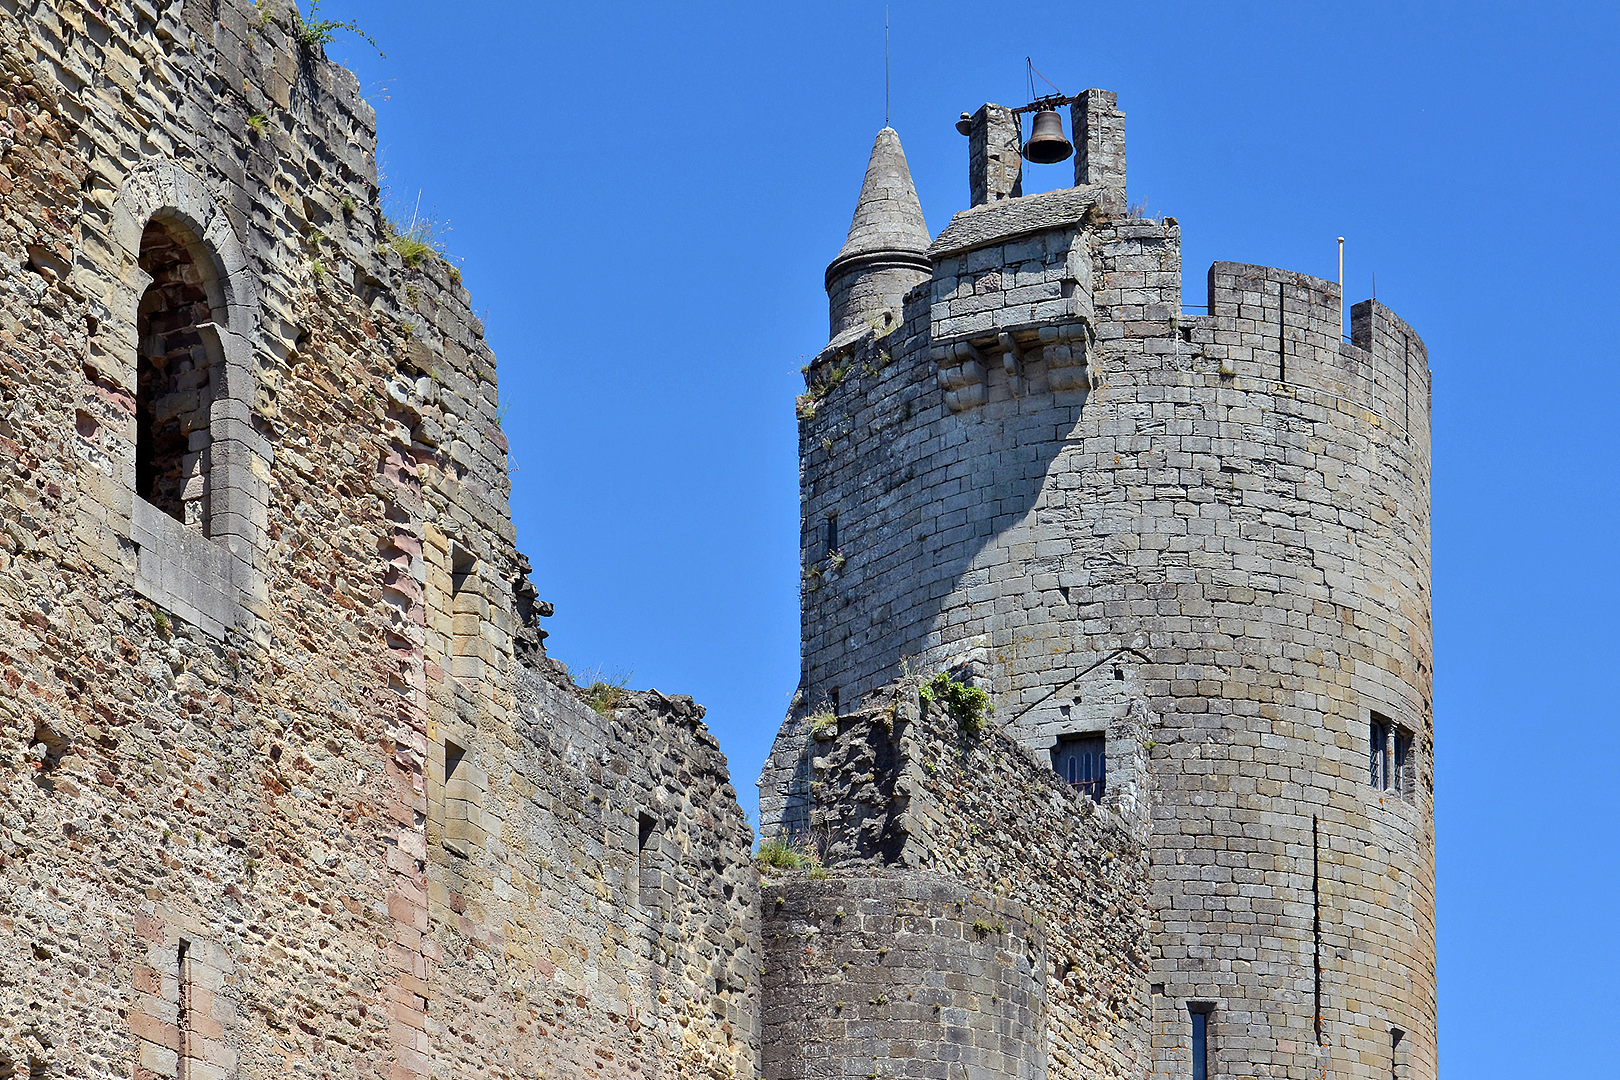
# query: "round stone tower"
886, 252
1047, 479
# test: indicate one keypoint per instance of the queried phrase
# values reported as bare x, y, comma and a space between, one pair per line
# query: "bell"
1046, 143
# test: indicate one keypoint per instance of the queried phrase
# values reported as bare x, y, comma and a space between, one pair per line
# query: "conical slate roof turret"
888, 228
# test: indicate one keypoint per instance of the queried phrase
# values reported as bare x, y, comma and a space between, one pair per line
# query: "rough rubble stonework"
289, 786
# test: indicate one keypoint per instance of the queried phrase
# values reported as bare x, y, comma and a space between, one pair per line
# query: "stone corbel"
1012, 358
962, 375
1065, 349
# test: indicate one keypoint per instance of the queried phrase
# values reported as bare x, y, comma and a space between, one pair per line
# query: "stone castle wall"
287, 785
904, 785
1091, 505
900, 975
596, 915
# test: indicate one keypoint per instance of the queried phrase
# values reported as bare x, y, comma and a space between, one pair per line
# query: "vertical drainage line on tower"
1282, 333
1406, 385
1316, 920
182, 1021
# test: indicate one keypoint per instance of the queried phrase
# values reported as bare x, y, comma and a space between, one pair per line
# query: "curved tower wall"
909, 975
1051, 480
863, 296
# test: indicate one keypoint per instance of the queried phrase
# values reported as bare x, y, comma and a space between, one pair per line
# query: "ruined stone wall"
900, 975
1219, 522
597, 915
904, 785
203, 755
229, 845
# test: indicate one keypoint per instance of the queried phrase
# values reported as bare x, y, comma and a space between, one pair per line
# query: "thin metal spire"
885, 65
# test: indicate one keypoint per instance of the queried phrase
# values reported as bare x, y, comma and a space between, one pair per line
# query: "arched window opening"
174, 378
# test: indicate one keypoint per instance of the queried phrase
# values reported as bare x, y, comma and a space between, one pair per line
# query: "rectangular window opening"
1389, 756
455, 800
1397, 1054
1200, 1039
649, 867
1377, 762
1403, 763
463, 568
1081, 762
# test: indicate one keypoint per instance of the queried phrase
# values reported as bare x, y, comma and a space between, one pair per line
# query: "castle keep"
1186, 557
1113, 743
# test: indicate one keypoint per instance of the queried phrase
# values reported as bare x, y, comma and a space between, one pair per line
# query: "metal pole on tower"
1341, 288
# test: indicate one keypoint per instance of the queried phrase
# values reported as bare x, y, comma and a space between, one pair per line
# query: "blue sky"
644, 197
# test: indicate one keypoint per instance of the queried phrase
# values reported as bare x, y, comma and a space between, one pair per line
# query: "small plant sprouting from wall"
822, 721
787, 855
603, 691
314, 32
604, 697
419, 238
967, 705
982, 926
411, 245
257, 124
805, 404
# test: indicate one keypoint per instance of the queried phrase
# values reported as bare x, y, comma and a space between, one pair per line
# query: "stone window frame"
1391, 757
1084, 788
215, 582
